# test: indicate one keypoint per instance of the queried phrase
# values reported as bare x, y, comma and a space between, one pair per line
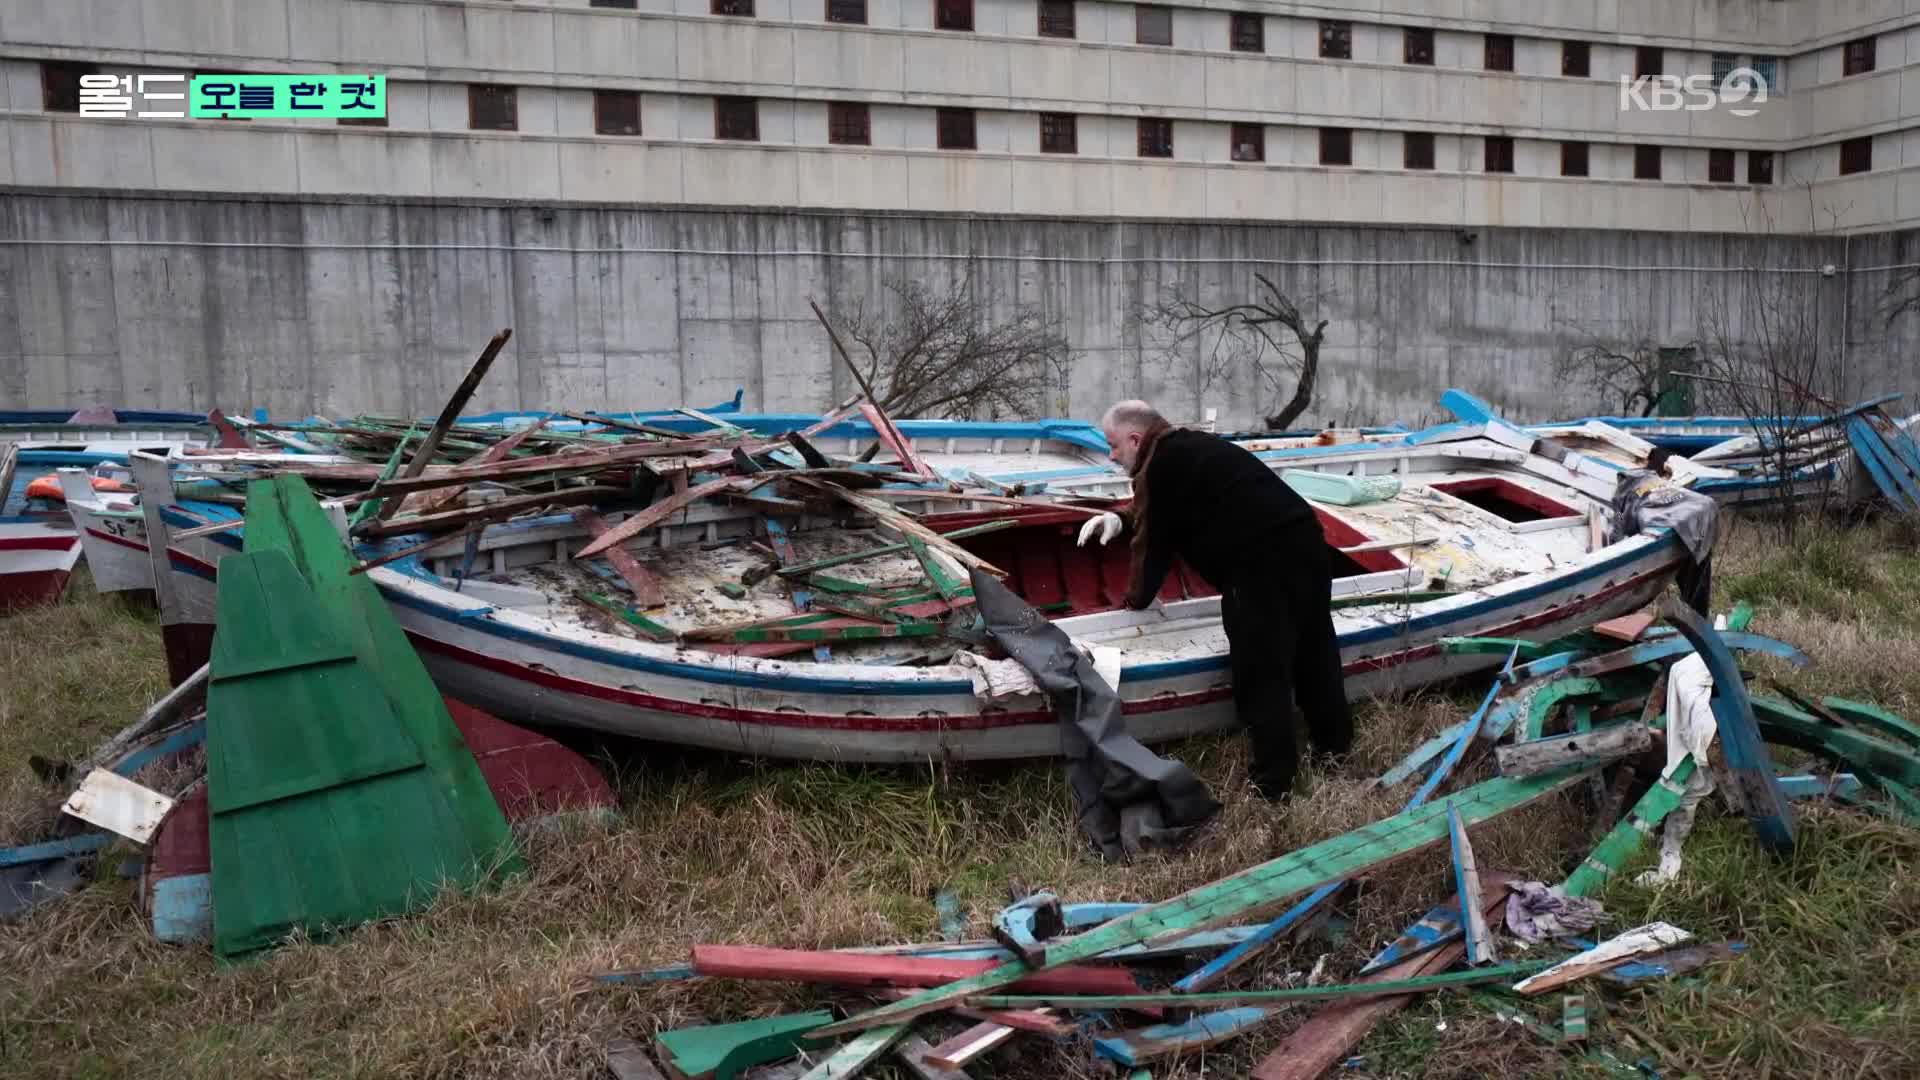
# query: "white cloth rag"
1690, 730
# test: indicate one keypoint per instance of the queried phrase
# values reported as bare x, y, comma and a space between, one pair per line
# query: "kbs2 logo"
1741, 92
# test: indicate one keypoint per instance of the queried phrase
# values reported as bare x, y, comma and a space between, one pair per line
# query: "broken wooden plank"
118, 805
438, 540
647, 627
845, 969
499, 451
1875, 717
448, 414
1877, 760
1270, 883
944, 583
1669, 647
1541, 702
1466, 879
1653, 937
1626, 837
891, 438
912, 1052
853, 1058
967, 1045
1626, 627
902, 525
647, 590
1596, 747
660, 511
1330, 1034
1756, 784
889, 549
498, 510
1437, 927
717, 1050
1359, 991
1130, 1048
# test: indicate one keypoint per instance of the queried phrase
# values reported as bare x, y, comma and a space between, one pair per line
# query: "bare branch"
1266, 335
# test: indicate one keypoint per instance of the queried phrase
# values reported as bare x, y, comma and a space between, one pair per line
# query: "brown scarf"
1137, 561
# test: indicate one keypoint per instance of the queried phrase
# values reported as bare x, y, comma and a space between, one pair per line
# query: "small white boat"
1481, 536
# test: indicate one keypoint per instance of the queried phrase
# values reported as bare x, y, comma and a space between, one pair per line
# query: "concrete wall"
335, 307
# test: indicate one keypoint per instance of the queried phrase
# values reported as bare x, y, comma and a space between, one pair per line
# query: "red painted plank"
647, 590
844, 969
529, 774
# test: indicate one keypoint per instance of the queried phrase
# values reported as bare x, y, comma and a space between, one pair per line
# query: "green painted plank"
1626, 837
1782, 723
723, 1051
438, 831
944, 583
1741, 618
626, 614
1344, 991
1873, 716
1259, 887
1543, 701
851, 1059
767, 634
888, 549
371, 507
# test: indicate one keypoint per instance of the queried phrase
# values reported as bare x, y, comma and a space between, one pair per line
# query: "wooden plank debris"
1269, 883
627, 1060
658, 512
1756, 784
1130, 1048
902, 525
1466, 879
497, 510
1651, 938
808, 568
647, 589
969, 1044
646, 627
448, 414
853, 1058
846, 969
1598, 746
1626, 627
1356, 991
1625, 838
1573, 1018
715, 1051
912, 1052
118, 805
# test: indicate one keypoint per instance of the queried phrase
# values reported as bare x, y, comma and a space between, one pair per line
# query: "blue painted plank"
1435, 928
1866, 449
193, 735
1130, 1048
183, 909
53, 849
1466, 883
1754, 778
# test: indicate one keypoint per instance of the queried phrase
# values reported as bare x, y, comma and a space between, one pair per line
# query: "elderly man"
1239, 526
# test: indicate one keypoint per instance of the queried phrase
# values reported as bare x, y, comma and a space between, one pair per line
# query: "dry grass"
712, 849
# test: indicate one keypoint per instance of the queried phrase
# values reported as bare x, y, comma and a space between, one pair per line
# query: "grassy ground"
711, 849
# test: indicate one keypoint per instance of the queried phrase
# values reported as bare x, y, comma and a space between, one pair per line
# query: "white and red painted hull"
36, 561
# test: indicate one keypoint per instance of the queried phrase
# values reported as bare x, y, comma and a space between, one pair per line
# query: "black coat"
1217, 507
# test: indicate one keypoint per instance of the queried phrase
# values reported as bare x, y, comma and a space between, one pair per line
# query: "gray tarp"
1644, 501
1128, 797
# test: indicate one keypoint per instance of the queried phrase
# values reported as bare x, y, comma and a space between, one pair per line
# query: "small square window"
1646, 163
1722, 65
1419, 46
1720, 166
1499, 154
733, 7
616, 112
848, 123
1856, 155
627, 4
1152, 24
1249, 142
953, 14
1768, 68
1649, 60
1416, 149
1859, 57
1156, 137
1336, 39
955, 129
1249, 32
363, 121
1573, 159
60, 84
1056, 18
492, 108
736, 118
1499, 52
847, 11
1576, 59
1336, 146
1059, 133
1759, 167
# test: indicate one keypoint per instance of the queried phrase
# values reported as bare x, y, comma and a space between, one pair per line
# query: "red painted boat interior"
1506, 499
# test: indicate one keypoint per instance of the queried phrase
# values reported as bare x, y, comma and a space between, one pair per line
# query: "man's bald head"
1123, 425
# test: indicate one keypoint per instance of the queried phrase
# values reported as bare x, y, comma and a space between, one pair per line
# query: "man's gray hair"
1131, 415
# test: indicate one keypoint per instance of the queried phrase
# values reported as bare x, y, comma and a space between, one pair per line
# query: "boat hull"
36, 562
506, 663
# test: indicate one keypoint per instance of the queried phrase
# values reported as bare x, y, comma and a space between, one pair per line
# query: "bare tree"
1770, 345
941, 355
1628, 372
1267, 336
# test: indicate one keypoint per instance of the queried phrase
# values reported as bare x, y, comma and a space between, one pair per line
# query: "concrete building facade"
560, 165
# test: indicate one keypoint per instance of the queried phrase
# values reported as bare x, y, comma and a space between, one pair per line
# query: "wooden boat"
1481, 537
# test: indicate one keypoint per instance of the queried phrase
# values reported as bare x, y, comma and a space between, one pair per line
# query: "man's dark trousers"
1283, 648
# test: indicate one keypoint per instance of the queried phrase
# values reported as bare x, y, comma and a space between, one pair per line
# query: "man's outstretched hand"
1108, 525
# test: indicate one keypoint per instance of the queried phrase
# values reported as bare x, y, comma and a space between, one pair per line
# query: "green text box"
336, 96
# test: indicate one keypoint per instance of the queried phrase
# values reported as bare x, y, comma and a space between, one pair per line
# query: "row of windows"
849, 123
1153, 25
